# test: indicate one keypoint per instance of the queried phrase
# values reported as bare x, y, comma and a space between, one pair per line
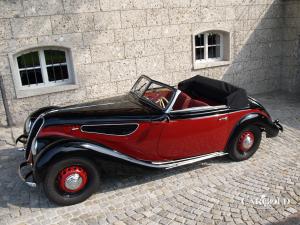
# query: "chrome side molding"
165, 165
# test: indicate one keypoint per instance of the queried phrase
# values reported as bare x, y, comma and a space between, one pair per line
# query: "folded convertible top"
219, 91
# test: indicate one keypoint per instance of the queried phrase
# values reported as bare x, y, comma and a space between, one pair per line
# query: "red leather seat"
196, 103
184, 101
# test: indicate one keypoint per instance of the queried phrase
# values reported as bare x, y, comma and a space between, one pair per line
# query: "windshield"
153, 92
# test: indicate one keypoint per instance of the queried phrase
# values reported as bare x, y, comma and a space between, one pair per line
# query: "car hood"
125, 107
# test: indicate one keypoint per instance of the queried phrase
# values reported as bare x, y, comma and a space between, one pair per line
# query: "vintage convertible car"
154, 125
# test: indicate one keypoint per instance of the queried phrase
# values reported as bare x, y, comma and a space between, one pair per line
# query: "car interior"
184, 101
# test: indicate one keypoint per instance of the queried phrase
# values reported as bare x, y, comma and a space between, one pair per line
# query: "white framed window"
42, 70
208, 46
211, 48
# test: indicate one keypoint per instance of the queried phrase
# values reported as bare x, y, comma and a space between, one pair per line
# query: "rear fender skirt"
70, 147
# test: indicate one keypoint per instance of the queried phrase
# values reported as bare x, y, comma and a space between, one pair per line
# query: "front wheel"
245, 143
71, 180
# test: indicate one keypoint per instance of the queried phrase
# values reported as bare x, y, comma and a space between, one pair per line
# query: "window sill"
209, 64
45, 90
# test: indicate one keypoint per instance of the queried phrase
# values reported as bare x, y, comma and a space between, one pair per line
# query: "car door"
189, 135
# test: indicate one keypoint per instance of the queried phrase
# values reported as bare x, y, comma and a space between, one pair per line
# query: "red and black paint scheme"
154, 125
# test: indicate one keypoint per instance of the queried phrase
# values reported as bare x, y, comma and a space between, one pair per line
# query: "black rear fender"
256, 119
265, 123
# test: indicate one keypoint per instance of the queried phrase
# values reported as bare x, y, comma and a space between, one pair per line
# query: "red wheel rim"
72, 179
246, 141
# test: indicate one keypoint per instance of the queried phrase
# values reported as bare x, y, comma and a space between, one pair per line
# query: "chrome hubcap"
73, 181
247, 142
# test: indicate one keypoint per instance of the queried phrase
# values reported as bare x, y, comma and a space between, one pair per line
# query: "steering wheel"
162, 102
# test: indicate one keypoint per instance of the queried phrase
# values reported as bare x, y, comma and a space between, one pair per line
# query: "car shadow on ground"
292, 220
15, 193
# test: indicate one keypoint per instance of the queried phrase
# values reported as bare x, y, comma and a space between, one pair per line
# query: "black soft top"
216, 90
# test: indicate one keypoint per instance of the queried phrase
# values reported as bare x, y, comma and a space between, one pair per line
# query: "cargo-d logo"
265, 200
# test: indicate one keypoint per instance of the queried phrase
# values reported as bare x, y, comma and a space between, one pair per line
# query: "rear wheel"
70, 181
245, 143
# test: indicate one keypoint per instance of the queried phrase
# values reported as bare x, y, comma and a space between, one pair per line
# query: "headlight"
28, 124
34, 146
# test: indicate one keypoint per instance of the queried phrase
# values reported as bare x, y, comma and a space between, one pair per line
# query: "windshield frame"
147, 101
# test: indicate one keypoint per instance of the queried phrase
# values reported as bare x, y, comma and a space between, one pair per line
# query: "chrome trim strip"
174, 100
115, 124
201, 108
32, 147
30, 133
166, 165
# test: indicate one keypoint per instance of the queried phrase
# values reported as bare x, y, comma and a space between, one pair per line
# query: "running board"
165, 165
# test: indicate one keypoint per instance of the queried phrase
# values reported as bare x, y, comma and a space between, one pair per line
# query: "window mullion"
221, 46
206, 46
43, 67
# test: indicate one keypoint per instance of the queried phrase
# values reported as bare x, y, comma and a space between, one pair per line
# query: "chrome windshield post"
174, 100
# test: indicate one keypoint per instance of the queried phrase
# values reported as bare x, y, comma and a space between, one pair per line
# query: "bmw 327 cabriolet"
155, 125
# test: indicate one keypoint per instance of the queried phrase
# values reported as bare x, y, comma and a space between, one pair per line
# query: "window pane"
31, 77
54, 56
213, 39
199, 40
56, 73
28, 60
214, 52
199, 53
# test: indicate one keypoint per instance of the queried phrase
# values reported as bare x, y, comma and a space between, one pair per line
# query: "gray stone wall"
291, 47
115, 41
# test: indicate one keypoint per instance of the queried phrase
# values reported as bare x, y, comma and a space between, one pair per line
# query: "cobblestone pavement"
262, 190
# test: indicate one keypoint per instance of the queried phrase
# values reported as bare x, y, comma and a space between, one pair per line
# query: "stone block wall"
290, 78
115, 41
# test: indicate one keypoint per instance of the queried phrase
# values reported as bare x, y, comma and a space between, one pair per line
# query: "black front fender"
56, 151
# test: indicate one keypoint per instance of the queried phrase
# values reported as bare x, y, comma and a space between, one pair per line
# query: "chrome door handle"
223, 118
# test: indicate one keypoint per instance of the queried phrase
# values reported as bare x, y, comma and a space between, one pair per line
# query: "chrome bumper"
278, 125
26, 176
273, 128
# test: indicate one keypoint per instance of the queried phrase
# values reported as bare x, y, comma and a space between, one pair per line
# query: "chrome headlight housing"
28, 125
34, 146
